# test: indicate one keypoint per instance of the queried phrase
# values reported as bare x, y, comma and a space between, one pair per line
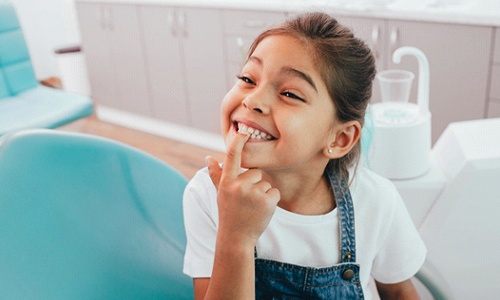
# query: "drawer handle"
171, 24
241, 46
183, 24
394, 40
375, 41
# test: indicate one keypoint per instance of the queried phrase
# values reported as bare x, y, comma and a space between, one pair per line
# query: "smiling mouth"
254, 133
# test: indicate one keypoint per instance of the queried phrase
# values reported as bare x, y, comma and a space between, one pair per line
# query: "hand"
246, 201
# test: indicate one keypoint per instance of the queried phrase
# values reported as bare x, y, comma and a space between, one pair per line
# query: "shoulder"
369, 186
200, 179
200, 185
376, 201
385, 234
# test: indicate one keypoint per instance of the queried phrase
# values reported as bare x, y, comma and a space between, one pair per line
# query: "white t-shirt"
388, 246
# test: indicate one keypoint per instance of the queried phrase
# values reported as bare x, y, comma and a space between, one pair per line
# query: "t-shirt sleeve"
402, 251
201, 226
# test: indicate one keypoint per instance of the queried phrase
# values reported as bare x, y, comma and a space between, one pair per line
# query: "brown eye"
291, 95
245, 79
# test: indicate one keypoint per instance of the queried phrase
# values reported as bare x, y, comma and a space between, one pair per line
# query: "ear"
344, 138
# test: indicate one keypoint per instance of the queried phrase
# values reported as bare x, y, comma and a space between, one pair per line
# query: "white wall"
47, 25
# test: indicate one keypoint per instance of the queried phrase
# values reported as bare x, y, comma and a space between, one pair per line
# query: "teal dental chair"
24, 103
83, 217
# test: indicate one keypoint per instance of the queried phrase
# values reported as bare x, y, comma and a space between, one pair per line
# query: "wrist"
235, 243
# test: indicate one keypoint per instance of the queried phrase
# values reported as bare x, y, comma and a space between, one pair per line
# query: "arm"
233, 276
200, 287
246, 204
401, 290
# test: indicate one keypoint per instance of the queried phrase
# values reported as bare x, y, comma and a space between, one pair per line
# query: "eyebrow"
300, 74
289, 71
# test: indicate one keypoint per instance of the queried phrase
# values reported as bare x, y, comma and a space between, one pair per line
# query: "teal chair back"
83, 217
16, 71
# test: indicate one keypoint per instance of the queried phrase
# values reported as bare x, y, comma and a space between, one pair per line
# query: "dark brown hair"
345, 63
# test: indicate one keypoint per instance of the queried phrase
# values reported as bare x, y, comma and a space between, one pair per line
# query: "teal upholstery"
83, 217
15, 64
42, 109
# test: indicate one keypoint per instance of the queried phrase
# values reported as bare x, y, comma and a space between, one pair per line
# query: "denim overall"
277, 280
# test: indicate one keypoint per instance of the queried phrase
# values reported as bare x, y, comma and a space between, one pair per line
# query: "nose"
257, 102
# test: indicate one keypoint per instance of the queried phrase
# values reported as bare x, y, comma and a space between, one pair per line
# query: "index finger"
232, 162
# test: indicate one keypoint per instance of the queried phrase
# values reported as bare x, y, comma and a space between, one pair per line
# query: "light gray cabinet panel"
496, 55
184, 48
97, 53
204, 66
112, 44
166, 72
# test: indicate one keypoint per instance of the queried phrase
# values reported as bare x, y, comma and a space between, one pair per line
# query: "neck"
303, 193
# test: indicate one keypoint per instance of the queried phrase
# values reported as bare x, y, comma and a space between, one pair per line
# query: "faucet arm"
423, 73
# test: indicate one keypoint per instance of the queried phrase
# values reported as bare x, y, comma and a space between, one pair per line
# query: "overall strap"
345, 210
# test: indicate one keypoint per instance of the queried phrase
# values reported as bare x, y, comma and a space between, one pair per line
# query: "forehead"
287, 56
286, 48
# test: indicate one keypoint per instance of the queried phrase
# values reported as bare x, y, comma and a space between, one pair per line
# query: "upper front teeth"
254, 133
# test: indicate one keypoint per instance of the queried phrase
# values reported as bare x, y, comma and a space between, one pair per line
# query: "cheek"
312, 129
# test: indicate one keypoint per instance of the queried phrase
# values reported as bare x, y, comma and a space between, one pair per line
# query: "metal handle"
171, 24
375, 41
100, 16
241, 47
104, 17
182, 23
393, 43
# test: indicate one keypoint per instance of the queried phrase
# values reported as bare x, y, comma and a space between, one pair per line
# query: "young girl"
288, 215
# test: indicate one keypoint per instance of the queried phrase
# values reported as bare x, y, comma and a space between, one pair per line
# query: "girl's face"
280, 94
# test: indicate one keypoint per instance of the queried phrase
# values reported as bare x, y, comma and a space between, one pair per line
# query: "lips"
255, 133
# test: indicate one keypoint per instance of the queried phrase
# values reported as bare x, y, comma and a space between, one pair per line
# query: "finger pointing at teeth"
246, 202
232, 163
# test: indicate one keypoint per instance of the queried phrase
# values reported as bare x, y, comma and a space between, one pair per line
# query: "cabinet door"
100, 68
127, 55
458, 58
112, 46
240, 28
202, 44
165, 64
494, 93
373, 33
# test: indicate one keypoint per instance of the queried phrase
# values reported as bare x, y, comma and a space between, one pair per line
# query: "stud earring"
330, 151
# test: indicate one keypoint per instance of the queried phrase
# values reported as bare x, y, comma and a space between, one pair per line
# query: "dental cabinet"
115, 56
459, 58
185, 58
173, 61
156, 61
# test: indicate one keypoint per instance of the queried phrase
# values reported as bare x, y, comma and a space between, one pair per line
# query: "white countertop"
471, 12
